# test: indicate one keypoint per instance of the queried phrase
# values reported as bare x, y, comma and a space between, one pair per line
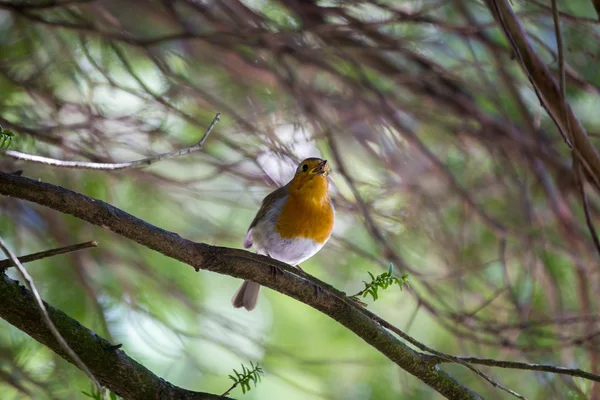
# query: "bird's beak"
322, 168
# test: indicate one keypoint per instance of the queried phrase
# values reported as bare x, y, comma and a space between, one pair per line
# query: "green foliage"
6, 137
100, 394
382, 281
244, 378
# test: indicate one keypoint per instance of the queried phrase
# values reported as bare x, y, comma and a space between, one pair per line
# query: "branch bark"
112, 367
240, 264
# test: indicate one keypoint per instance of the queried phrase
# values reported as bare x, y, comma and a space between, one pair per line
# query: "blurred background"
444, 164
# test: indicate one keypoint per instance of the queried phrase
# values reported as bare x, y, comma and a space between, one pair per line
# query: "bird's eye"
304, 168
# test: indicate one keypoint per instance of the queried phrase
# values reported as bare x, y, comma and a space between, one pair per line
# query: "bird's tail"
246, 296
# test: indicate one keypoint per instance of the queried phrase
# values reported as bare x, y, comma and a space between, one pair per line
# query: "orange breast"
305, 218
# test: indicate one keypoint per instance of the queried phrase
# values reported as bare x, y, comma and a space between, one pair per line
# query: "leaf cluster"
243, 379
383, 281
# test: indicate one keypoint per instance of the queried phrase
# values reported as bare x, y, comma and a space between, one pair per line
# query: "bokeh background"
444, 164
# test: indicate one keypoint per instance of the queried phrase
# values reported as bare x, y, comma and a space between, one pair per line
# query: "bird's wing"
266, 205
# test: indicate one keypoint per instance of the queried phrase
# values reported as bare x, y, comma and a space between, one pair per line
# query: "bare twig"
59, 338
596, 4
586, 205
48, 253
448, 357
527, 366
114, 166
561, 53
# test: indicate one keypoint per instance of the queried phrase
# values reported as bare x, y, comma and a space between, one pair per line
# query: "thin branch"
596, 4
48, 253
57, 335
447, 357
51, 4
524, 366
114, 166
560, 50
586, 205
561, 69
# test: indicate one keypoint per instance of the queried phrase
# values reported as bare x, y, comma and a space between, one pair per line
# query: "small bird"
293, 223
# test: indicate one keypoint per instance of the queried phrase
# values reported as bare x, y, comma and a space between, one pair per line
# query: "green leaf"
6, 137
247, 375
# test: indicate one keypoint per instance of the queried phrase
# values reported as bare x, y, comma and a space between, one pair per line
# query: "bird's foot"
274, 271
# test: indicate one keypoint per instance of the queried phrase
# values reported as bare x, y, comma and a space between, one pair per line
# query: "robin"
293, 223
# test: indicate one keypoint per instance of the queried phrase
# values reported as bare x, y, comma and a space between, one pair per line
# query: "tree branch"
522, 366
144, 162
47, 321
240, 264
48, 253
111, 366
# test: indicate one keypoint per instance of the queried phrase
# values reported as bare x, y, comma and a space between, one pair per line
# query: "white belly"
290, 251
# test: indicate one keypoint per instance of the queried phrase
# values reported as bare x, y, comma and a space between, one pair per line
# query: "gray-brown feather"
246, 296
266, 205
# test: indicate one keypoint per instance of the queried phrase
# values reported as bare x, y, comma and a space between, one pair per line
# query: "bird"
293, 223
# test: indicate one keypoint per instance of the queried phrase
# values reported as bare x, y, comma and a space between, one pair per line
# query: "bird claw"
275, 271
300, 268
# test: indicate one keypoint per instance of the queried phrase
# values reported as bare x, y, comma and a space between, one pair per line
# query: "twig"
561, 68
527, 366
48, 253
382, 281
596, 4
52, 4
444, 356
560, 50
244, 378
114, 166
63, 343
586, 205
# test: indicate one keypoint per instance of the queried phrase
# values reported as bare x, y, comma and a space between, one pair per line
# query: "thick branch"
112, 367
240, 264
